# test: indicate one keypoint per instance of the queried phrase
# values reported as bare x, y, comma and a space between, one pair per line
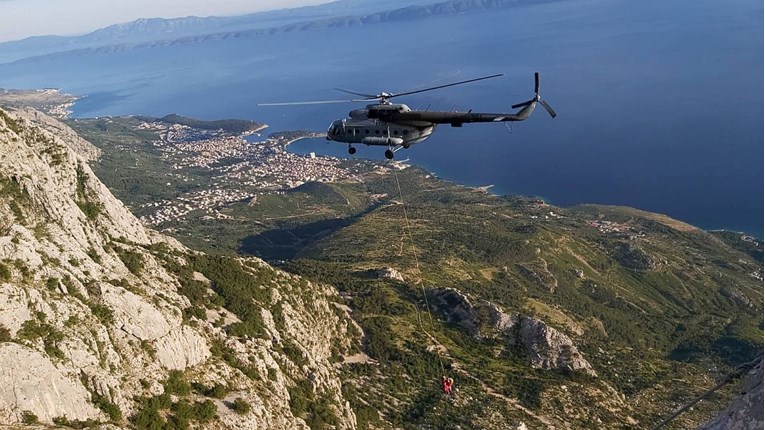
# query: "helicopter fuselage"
363, 128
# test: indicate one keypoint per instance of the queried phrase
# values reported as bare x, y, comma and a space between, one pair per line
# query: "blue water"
660, 103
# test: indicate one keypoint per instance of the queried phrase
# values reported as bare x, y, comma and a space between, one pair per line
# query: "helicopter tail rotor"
536, 99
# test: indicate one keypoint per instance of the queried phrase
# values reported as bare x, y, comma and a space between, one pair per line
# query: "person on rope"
447, 384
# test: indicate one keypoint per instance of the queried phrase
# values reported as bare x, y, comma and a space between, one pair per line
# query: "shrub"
103, 313
109, 408
28, 417
131, 259
5, 272
176, 384
240, 406
205, 411
217, 391
5, 334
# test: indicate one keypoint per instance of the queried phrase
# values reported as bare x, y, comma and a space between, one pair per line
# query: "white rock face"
107, 331
134, 315
182, 348
389, 273
551, 349
30, 382
746, 411
60, 131
13, 307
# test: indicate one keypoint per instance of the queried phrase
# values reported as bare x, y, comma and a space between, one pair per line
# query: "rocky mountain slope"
104, 321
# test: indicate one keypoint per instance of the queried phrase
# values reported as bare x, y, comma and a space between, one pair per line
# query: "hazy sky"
24, 18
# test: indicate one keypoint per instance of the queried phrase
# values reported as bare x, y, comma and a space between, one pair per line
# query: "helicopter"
397, 126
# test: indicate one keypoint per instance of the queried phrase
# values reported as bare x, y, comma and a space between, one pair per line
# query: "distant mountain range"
151, 32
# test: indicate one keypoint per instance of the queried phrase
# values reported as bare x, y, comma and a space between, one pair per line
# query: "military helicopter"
397, 126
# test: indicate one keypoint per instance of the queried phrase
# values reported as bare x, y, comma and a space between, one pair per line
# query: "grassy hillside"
653, 303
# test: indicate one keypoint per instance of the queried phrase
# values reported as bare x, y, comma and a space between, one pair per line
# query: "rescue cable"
408, 232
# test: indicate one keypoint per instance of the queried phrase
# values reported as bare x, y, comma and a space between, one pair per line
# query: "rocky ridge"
546, 347
96, 318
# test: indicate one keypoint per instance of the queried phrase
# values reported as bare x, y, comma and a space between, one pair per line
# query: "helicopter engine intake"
359, 114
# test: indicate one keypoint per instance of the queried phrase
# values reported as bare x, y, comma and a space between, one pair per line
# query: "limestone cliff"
746, 411
102, 320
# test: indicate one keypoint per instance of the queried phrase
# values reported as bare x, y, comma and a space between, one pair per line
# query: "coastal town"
241, 166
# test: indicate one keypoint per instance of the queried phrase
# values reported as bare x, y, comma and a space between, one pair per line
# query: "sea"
660, 103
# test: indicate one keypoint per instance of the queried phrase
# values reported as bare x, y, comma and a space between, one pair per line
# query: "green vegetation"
34, 329
217, 391
5, 272
11, 123
103, 312
238, 288
229, 125
240, 406
90, 208
109, 408
161, 413
5, 334
131, 259
176, 384
28, 417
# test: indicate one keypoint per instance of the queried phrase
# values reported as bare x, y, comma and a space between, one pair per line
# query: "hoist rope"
408, 232
740, 371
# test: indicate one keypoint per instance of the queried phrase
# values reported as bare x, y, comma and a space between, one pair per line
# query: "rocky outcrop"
94, 318
182, 348
634, 257
551, 349
389, 273
60, 132
746, 411
546, 347
31, 383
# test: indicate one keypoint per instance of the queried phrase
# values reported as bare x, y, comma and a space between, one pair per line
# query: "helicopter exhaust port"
383, 141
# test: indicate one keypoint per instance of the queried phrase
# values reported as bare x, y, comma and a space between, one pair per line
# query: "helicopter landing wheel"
389, 154
406, 146
351, 150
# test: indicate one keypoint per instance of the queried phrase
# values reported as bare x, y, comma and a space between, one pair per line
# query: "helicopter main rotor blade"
548, 108
433, 82
318, 102
444, 86
369, 96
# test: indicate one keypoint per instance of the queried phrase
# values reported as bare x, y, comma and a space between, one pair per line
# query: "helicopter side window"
366, 131
377, 131
395, 132
405, 132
